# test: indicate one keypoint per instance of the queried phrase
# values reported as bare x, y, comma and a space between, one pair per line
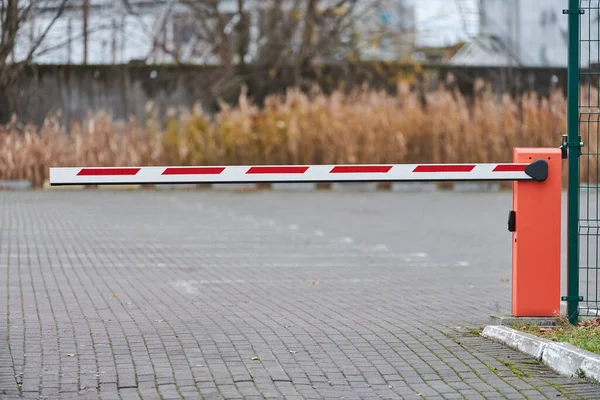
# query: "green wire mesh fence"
589, 130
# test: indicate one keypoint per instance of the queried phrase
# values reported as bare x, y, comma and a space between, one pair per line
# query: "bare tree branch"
15, 16
65, 42
288, 33
41, 37
10, 29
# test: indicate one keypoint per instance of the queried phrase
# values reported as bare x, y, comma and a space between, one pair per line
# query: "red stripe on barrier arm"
277, 170
444, 168
510, 168
361, 169
193, 171
108, 171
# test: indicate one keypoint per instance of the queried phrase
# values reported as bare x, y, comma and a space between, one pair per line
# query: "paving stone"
454, 395
183, 288
129, 394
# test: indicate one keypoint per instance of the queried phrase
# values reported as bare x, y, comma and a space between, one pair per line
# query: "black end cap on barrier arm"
538, 170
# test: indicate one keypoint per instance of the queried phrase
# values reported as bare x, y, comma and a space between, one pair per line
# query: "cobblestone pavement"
259, 295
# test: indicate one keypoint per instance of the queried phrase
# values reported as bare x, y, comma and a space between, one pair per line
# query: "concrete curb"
563, 358
119, 187
167, 186
15, 185
293, 187
415, 187
46, 186
355, 186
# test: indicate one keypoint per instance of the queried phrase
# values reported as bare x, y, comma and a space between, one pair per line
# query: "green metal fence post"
573, 145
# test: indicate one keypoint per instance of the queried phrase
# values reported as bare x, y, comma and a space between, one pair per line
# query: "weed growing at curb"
586, 334
475, 332
515, 369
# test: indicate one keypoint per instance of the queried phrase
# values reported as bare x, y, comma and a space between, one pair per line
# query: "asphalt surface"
211, 294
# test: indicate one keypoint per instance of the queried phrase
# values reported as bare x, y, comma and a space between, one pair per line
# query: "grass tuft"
586, 334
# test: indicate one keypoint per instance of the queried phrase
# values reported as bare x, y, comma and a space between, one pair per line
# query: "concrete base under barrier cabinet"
507, 320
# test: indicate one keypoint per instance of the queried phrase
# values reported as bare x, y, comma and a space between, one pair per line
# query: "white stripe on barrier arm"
536, 170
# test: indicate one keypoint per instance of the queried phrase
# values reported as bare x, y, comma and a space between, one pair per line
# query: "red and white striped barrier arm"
537, 170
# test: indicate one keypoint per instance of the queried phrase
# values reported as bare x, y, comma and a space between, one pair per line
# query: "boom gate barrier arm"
534, 220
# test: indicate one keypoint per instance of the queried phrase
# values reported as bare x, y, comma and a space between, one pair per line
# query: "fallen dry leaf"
315, 283
256, 359
115, 296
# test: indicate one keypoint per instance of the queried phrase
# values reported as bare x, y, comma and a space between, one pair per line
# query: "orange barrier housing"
536, 240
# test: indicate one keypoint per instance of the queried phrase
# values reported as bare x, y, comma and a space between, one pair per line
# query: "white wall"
539, 30
543, 25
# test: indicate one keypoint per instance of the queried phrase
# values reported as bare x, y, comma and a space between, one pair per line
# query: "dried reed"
361, 127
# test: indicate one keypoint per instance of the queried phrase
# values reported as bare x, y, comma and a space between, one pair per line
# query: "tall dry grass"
362, 127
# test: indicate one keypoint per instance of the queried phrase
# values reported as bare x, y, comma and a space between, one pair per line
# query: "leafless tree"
287, 30
14, 16
19, 43
267, 35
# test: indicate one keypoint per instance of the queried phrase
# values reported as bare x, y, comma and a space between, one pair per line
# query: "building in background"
521, 33
121, 32
498, 32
